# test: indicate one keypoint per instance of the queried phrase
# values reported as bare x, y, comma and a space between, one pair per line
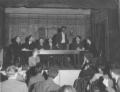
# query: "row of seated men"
58, 42
92, 78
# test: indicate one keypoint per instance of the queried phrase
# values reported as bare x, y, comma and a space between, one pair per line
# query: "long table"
54, 52
57, 53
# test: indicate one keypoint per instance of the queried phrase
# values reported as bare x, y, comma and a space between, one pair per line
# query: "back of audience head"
35, 70
11, 70
67, 88
52, 72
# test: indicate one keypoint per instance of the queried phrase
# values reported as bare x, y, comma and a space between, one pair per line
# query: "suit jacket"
46, 86
57, 38
74, 46
29, 46
16, 49
35, 79
12, 85
47, 46
38, 46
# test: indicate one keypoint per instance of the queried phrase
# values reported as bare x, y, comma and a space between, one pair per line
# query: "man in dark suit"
60, 39
29, 43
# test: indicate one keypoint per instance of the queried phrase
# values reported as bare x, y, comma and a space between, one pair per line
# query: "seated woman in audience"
36, 76
82, 83
12, 84
34, 59
66, 88
109, 84
98, 74
76, 44
96, 82
88, 70
105, 82
48, 85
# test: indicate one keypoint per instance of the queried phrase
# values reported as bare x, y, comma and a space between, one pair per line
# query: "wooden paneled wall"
107, 21
1, 26
45, 23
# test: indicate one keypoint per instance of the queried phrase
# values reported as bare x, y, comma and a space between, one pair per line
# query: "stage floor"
66, 77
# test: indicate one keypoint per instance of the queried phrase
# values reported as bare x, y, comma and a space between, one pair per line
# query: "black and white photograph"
59, 46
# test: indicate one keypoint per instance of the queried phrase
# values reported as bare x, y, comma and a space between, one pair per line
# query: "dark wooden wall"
1, 27
106, 21
24, 24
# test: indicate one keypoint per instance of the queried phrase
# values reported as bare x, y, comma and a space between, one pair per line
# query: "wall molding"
47, 11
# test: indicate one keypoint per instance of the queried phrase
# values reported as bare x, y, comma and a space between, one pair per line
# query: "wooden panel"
1, 27
27, 24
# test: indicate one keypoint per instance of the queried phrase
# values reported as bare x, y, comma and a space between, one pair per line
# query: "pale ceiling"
60, 3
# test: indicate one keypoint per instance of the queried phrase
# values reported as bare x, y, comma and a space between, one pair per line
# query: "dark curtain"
2, 27
100, 38
99, 31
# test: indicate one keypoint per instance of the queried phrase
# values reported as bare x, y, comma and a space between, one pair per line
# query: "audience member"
12, 84
66, 88
34, 59
48, 85
36, 76
109, 84
98, 74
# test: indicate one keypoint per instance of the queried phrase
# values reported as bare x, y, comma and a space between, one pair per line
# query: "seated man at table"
27, 48
77, 45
